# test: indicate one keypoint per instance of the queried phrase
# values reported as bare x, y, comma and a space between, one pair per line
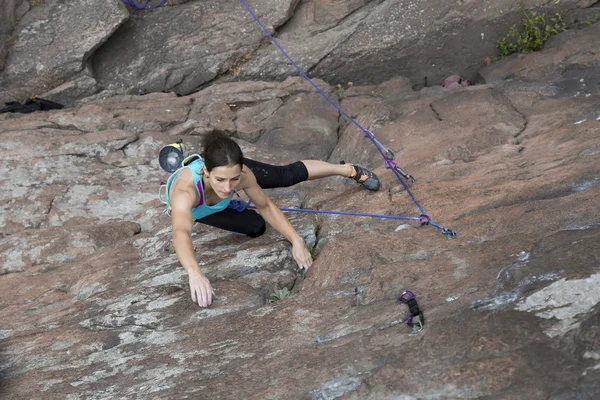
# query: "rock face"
338, 41
7, 13
180, 48
184, 46
8, 16
44, 53
95, 305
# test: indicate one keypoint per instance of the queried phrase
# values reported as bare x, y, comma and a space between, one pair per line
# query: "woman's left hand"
302, 255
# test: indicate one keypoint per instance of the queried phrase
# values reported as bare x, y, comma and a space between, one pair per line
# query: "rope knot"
238, 205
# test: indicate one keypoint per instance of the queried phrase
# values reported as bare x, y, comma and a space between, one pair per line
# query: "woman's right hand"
201, 289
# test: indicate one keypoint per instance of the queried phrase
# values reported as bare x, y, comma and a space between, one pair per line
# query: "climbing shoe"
365, 177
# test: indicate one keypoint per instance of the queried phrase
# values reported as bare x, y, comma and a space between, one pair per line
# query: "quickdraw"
410, 300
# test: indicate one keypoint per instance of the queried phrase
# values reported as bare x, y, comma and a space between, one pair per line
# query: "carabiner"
411, 302
402, 299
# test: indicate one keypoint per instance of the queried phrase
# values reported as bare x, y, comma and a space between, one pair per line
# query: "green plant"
100, 128
593, 19
318, 223
590, 20
279, 294
314, 252
339, 91
537, 29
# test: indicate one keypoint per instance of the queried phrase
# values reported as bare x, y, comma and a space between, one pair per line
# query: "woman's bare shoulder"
184, 188
247, 180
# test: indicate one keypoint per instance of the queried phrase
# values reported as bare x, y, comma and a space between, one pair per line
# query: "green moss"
536, 30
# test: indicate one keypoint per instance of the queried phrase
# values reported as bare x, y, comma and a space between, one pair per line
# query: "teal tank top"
202, 209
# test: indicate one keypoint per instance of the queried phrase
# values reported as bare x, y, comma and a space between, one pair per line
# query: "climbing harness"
386, 153
410, 300
144, 7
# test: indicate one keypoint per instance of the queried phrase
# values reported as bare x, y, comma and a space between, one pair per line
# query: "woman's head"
219, 150
223, 162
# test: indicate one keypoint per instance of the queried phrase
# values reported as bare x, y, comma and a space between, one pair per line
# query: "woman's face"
223, 180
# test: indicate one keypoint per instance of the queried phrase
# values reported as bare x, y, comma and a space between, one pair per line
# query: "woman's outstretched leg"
276, 176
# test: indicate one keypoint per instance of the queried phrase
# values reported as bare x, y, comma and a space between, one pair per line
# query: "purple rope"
380, 147
143, 7
240, 206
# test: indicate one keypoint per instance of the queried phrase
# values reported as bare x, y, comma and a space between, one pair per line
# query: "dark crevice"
114, 165
298, 279
189, 111
99, 326
10, 272
338, 134
238, 105
62, 128
309, 71
49, 209
136, 138
521, 132
90, 53
78, 155
166, 79
515, 109
283, 25
437, 115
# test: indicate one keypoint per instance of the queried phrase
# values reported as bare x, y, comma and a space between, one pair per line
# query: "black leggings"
249, 222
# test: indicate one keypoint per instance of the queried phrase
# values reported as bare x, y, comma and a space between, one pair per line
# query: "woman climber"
203, 190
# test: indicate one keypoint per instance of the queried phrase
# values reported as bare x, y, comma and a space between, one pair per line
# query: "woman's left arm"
273, 215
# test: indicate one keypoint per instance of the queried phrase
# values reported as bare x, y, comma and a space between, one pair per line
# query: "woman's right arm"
182, 221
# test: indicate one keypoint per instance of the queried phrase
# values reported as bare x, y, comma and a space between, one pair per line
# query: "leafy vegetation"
537, 28
339, 91
314, 252
589, 20
279, 294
